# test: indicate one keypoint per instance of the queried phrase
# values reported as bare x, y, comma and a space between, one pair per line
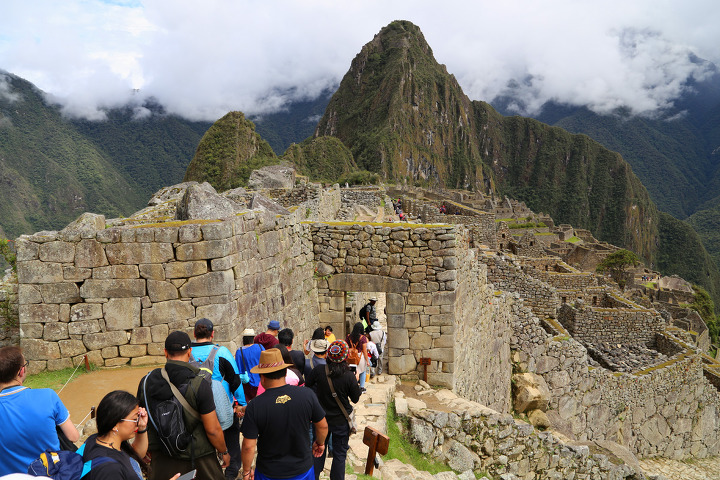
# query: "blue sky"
203, 59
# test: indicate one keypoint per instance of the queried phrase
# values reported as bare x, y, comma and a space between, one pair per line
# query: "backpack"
167, 419
363, 312
353, 357
64, 464
223, 405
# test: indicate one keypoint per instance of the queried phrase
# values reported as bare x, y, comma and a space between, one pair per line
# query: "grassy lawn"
54, 380
573, 240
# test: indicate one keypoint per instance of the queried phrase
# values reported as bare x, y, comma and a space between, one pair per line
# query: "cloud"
6, 92
203, 59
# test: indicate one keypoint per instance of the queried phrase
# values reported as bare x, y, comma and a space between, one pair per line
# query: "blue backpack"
64, 465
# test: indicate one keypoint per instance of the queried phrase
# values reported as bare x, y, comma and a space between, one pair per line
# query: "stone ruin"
474, 308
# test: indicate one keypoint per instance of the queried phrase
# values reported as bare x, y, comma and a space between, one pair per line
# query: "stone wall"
612, 325
9, 328
114, 294
669, 410
482, 337
507, 275
468, 435
416, 266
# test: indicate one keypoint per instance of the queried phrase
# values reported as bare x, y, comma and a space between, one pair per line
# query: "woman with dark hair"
318, 334
119, 418
357, 339
346, 387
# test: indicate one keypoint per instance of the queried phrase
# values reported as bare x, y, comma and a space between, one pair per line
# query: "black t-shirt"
346, 387
120, 469
279, 419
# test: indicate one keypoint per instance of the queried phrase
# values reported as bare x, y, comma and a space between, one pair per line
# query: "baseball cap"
177, 341
205, 322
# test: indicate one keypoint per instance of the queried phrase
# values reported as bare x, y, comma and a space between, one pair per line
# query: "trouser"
232, 441
362, 377
340, 435
163, 467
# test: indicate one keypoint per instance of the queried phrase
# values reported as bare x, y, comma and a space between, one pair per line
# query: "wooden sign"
425, 361
377, 443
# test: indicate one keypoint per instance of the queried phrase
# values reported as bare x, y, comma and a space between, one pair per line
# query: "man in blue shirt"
224, 370
247, 357
28, 416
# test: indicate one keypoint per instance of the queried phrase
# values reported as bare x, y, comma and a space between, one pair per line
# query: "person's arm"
68, 428
229, 372
365, 352
140, 443
247, 455
321, 431
353, 388
214, 433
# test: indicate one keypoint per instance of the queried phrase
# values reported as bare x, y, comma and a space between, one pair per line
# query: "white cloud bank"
203, 59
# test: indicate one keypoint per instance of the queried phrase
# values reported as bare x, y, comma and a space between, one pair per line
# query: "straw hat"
270, 361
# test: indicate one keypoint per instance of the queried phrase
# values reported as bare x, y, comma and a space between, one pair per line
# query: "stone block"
60, 293
83, 327
218, 313
133, 350
209, 284
29, 294
157, 349
440, 354
166, 234
140, 336
185, 269
446, 276
31, 330
26, 250
217, 230
441, 379
189, 233
35, 271
148, 360
530, 392
109, 352
85, 311
152, 271
60, 252
224, 263
402, 364
55, 331
164, 312
397, 338
72, 273
89, 253
395, 303
444, 341
122, 313
71, 348
59, 364
139, 253
116, 288
206, 249
116, 362
34, 349
159, 291
98, 341
116, 271
38, 313
420, 341
443, 298
159, 333
358, 282
420, 299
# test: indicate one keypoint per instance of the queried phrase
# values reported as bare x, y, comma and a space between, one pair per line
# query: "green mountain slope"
49, 172
402, 115
228, 152
324, 159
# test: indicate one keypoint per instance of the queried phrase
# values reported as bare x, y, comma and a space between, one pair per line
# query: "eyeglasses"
25, 365
135, 420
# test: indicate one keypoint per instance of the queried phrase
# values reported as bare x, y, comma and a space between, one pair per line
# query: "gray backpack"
223, 405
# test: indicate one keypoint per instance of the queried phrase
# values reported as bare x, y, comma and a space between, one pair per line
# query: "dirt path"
87, 390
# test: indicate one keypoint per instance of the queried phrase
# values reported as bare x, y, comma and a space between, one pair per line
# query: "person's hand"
225, 460
249, 475
142, 419
318, 449
177, 475
240, 411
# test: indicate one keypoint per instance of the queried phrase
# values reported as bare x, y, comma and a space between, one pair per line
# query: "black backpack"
363, 312
167, 419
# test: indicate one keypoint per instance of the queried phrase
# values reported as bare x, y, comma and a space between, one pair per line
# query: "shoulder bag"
351, 421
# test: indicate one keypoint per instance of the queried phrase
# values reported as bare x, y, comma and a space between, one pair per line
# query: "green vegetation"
324, 159
573, 239
617, 263
7, 253
55, 379
705, 307
228, 152
401, 449
526, 225
362, 177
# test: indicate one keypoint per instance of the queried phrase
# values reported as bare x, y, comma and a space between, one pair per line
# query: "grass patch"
573, 239
401, 449
55, 379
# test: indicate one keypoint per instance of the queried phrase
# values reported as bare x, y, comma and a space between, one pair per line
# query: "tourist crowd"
267, 412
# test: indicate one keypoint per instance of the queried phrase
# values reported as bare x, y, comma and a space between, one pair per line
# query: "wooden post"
87, 364
425, 361
377, 443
